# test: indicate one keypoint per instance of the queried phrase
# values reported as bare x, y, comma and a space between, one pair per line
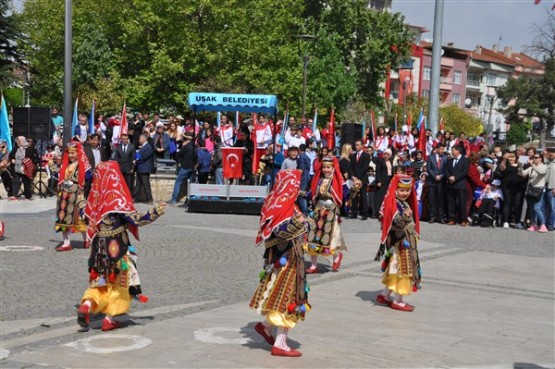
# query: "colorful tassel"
93, 274
101, 282
112, 277
291, 307
262, 274
283, 261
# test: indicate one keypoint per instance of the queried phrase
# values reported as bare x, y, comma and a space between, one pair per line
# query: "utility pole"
433, 112
68, 36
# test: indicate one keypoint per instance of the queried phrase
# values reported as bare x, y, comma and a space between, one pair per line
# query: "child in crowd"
489, 200
291, 161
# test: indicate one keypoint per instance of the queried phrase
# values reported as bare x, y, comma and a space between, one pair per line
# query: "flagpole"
68, 35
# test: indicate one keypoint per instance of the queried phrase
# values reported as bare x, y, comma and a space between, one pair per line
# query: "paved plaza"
487, 299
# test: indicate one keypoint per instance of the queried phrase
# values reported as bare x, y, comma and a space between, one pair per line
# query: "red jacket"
473, 177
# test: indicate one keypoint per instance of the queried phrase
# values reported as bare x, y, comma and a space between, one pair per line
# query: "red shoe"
337, 264
259, 328
312, 270
64, 248
83, 317
381, 299
406, 307
108, 325
280, 352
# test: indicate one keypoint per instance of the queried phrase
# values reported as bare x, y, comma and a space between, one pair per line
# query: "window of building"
427, 73
457, 77
456, 98
425, 93
490, 79
473, 79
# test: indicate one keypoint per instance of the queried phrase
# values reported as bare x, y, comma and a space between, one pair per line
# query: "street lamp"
490, 95
305, 69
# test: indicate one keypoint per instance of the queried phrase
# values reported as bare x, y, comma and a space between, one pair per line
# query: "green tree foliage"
10, 55
153, 53
457, 120
527, 98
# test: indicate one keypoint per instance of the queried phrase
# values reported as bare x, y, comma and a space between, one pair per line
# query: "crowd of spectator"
458, 180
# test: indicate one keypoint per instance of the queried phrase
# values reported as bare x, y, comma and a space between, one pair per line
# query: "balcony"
448, 80
472, 84
448, 63
445, 86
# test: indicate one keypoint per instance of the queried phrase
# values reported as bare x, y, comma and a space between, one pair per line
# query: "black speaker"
350, 132
32, 123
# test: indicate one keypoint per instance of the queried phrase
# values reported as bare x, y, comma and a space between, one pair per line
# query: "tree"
153, 53
10, 54
457, 120
529, 98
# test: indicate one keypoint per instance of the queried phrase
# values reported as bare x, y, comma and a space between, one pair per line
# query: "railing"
471, 82
448, 80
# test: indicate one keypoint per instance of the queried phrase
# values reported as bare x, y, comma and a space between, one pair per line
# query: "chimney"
494, 48
450, 44
478, 49
508, 51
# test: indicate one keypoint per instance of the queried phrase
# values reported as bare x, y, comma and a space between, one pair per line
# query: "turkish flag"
232, 158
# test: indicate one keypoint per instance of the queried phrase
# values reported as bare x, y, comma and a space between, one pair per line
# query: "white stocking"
398, 299
281, 339
87, 303
108, 318
65, 235
314, 260
386, 292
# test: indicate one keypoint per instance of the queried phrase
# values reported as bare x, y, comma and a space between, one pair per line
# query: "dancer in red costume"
400, 235
282, 294
325, 237
112, 276
71, 196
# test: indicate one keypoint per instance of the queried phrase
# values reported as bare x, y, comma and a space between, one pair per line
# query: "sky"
468, 23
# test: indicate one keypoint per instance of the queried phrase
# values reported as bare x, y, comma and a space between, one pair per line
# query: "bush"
517, 134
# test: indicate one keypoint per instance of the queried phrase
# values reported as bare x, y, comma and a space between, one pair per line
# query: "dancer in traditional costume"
71, 196
325, 237
400, 235
112, 273
282, 295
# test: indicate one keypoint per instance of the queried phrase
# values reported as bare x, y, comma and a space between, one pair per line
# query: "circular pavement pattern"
85, 344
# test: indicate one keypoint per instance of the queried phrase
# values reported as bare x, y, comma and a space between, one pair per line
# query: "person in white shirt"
226, 131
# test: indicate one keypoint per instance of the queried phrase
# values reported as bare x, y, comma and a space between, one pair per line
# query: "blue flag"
420, 118
74, 120
5, 125
315, 121
363, 122
91, 119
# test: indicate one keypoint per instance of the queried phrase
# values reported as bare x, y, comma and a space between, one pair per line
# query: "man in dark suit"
360, 161
144, 164
95, 154
456, 172
435, 166
125, 156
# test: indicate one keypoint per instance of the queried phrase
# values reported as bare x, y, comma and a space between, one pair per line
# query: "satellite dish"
442, 51
468, 102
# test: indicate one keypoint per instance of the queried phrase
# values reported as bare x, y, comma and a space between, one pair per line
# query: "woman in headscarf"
24, 165
282, 294
400, 235
111, 212
325, 237
71, 196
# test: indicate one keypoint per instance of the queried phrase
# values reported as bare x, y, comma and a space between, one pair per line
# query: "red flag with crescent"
232, 159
